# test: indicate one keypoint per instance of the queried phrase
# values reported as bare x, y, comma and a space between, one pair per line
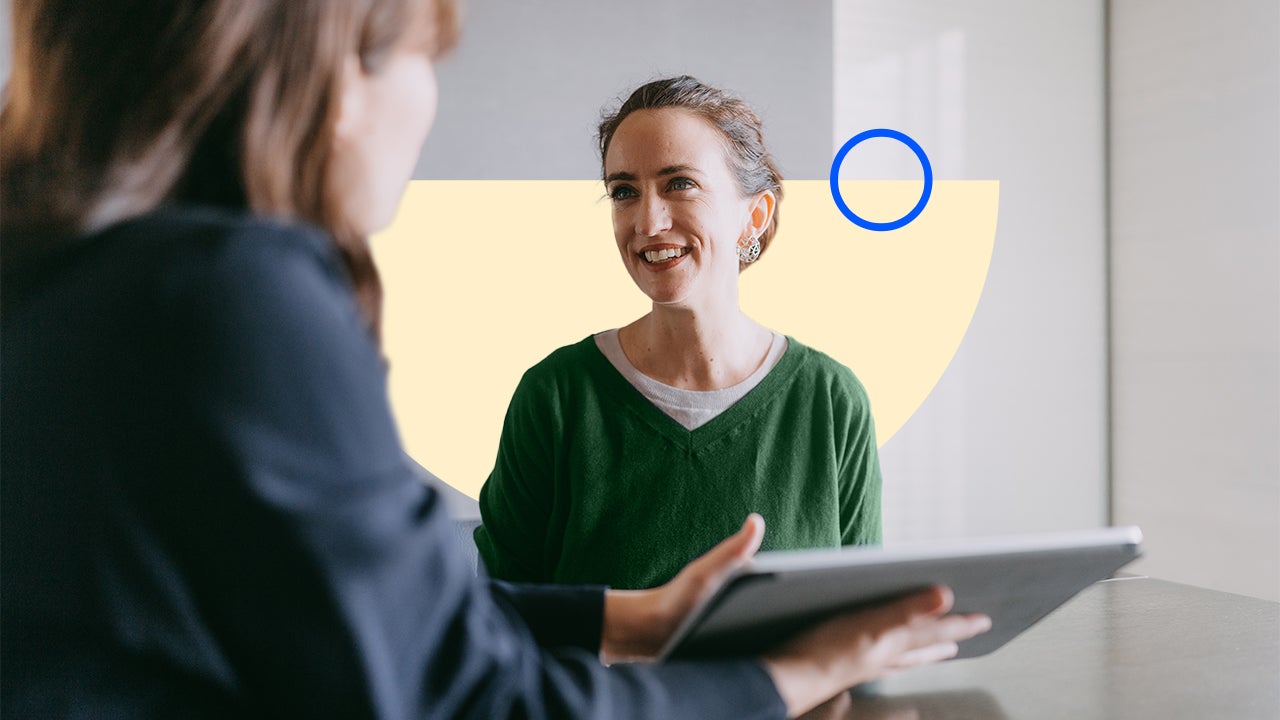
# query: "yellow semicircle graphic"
485, 278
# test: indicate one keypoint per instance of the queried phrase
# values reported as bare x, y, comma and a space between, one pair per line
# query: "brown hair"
743, 133
116, 107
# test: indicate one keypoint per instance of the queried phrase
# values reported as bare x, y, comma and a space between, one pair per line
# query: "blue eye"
681, 183
622, 192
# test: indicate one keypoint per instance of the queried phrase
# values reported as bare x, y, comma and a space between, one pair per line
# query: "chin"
375, 221
665, 293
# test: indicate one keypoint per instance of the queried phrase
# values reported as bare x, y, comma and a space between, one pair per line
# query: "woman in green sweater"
627, 454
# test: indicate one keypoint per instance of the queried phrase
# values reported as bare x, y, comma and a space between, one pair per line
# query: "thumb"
748, 537
732, 552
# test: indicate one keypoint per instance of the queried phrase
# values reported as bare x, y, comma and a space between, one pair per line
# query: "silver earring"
750, 251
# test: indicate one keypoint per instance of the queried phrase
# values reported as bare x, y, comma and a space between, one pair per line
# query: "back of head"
115, 107
743, 133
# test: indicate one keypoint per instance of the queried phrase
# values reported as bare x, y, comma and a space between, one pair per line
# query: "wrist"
798, 682
632, 626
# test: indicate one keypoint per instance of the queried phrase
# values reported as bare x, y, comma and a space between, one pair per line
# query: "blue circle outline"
835, 179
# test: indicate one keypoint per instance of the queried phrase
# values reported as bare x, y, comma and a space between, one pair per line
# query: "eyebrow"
675, 169
668, 170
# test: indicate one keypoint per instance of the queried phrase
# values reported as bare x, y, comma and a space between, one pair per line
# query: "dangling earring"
749, 251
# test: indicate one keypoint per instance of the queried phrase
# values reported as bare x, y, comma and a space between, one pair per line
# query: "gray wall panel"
1195, 108
522, 95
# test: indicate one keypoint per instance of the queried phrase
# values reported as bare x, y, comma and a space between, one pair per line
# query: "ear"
352, 106
762, 212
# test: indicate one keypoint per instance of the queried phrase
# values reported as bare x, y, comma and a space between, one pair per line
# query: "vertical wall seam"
1108, 258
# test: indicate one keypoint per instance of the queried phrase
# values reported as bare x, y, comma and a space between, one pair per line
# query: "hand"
637, 623
862, 646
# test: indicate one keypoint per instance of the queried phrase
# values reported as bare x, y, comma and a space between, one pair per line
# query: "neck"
705, 348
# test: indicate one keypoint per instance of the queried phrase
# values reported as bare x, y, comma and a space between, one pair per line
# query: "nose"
652, 217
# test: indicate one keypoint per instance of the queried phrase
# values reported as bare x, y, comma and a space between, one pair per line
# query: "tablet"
1016, 580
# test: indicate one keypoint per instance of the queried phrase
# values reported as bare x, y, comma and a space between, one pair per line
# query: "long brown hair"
115, 107
741, 128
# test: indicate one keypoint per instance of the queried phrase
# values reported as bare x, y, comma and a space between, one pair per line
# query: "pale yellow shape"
485, 278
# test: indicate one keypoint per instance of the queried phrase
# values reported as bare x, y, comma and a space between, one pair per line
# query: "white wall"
1195, 208
1014, 436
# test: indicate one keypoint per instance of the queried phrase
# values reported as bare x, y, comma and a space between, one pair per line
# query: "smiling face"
677, 210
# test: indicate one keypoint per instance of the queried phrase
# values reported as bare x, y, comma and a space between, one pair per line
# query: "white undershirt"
690, 408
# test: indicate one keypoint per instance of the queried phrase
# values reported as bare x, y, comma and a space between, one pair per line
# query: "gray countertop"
1124, 648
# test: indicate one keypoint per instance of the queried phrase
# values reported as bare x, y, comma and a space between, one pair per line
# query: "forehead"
648, 140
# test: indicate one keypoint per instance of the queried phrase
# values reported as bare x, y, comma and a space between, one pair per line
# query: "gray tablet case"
1015, 580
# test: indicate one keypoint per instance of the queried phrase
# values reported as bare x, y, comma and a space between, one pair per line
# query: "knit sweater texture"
594, 484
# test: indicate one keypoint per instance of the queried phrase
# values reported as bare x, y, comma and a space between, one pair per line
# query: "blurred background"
1123, 365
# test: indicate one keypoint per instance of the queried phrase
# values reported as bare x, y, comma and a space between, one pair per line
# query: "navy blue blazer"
206, 510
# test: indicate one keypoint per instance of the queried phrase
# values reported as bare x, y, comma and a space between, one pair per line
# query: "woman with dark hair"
206, 510
631, 452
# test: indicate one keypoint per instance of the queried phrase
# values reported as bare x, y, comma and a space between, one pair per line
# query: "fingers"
868, 644
934, 601
939, 639
932, 637
910, 610
917, 628
955, 628
925, 655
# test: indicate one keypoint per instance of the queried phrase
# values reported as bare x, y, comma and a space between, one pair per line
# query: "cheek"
730, 224
621, 228
409, 109
426, 97
407, 104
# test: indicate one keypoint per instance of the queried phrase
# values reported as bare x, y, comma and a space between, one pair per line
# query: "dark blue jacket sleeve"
557, 615
319, 573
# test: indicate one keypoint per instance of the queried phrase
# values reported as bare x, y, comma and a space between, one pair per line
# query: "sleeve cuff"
557, 615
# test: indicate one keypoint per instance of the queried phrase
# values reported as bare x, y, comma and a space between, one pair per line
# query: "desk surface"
1125, 648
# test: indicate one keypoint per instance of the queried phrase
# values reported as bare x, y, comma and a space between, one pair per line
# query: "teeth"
654, 256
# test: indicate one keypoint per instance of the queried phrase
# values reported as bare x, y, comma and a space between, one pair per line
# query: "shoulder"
260, 318
566, 365
180, 261
137, 255
817, 371
235, 246
241, 285
220, 261
569, 377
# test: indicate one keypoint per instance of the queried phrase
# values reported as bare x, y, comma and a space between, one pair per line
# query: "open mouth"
657, 256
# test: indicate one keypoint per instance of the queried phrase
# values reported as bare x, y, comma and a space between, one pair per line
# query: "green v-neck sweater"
594, 484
